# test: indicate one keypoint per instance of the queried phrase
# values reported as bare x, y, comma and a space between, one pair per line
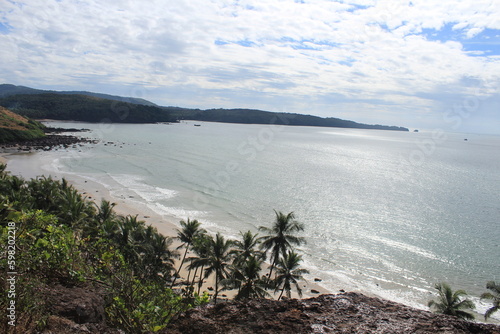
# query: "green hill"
252, 116
94, 107
14, 127
8, 90
82, 108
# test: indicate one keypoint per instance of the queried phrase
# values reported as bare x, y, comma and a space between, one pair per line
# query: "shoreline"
35, 164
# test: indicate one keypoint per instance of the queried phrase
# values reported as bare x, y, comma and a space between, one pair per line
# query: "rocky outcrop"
47, 143
80, 304
76, 310
342, 313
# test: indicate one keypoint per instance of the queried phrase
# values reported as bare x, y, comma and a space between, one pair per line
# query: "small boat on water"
197, 125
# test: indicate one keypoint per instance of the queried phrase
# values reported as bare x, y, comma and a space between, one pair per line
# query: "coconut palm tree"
280, 237
46, 194
494, 296
247, 279
73, 210
217, 261
105, 211
129, 237
190, 230
246, 248
157, 257
288, 273
15, 188
201, 247
452, 303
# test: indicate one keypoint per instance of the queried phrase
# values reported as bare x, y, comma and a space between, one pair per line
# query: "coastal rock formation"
80, 310
47, 143
342, 313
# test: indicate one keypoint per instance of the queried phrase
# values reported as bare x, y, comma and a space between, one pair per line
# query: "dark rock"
79, 304
59, 325
314, 291
49, 142
342, 313
318, 280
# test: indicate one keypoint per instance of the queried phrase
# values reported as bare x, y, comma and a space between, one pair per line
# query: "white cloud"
340, 57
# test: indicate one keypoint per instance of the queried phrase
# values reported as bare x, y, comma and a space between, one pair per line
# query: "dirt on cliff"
342, 313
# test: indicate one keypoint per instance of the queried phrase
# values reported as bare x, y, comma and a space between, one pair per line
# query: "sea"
387, 213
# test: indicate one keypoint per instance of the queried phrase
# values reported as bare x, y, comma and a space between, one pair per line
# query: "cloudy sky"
432, 64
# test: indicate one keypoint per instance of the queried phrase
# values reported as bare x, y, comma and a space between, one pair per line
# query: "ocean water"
388, 213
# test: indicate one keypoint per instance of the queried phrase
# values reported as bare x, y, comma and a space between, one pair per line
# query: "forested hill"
93, 107
252, 116
8, 90
83, 108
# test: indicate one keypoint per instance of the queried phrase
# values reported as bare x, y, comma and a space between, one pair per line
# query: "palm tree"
246, 278
217, 261
494, 296
46, 194
157, 256
452, 303
110, 228
201, 247
190, 231
246, 248
128, 238
105, 211
73, 209
288, 273
280, 238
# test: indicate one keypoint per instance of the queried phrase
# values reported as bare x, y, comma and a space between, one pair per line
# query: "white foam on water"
482, 306
406, 247
176, 212
135, 184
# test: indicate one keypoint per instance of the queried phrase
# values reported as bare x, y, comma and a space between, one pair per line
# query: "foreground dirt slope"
342, 313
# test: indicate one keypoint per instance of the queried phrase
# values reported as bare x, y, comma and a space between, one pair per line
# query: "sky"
426, 64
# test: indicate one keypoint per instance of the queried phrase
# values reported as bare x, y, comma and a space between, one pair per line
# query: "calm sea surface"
390, 213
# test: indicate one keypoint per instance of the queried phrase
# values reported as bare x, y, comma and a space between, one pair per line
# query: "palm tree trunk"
271, 270
216, 287
281, 294
180, 267
200, 282
270, 273
194, 276
189, 275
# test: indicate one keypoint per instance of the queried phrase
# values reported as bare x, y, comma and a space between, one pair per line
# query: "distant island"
95, 107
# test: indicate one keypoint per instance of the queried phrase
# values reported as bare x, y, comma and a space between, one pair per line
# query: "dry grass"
10, 120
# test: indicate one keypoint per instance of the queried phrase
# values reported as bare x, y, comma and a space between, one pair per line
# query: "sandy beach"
31, 165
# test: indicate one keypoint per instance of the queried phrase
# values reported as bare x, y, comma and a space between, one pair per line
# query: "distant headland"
96, 107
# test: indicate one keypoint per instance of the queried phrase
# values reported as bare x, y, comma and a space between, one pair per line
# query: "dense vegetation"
251, 116
62, 237
82, 108
94, 107
16, 128
8, 90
